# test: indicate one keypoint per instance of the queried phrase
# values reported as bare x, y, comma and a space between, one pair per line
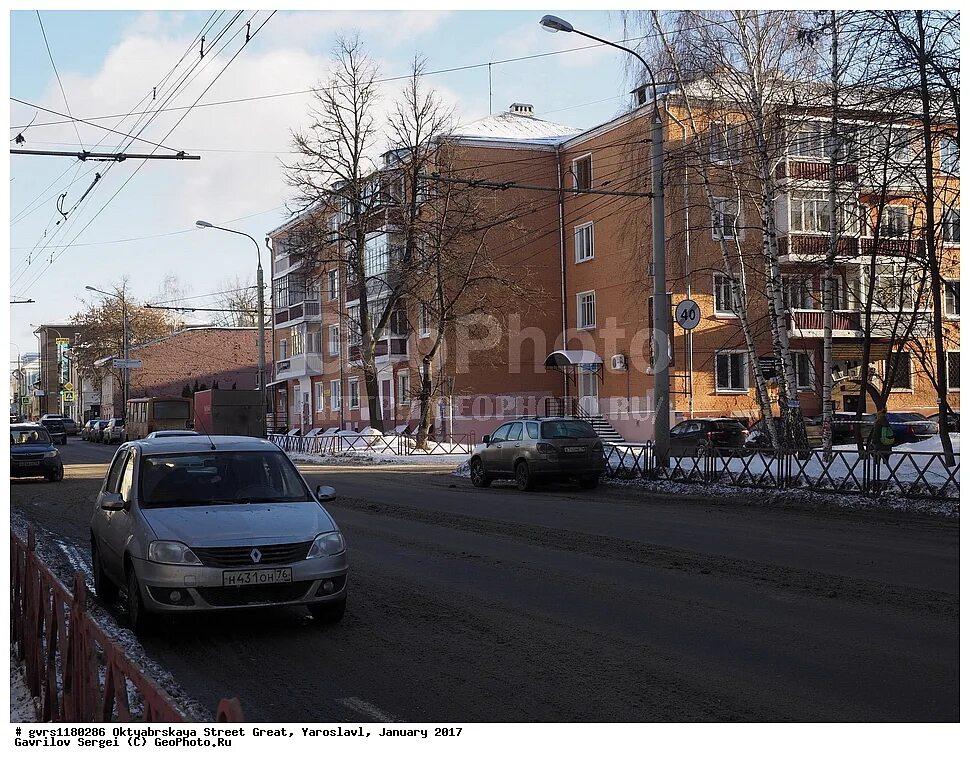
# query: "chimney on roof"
522, 109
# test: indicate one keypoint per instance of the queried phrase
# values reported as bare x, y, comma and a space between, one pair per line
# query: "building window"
898, 371
723, 297
812, 140
895, 286
951, 299
809, 213
584, 242
583, 172
894, 144
284, 349
804, 374
725, 218
953, 370
333, 285
403, 387
950, 156
319, 396
894, 222
951, 226
796, 292
725, 142
731, 371
335, 395
313, 346
334, 334
586, 310
377, 258
354, 394
353, 325
424, 320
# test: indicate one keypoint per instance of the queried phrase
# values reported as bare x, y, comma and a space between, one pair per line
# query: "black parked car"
953, 419
55, 428
32, 454
700, 436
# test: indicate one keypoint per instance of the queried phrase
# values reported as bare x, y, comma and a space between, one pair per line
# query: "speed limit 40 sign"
688, 314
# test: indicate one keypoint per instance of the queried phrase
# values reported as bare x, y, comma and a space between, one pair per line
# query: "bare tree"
239, 303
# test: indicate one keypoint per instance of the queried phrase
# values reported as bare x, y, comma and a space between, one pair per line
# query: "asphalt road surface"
567, 605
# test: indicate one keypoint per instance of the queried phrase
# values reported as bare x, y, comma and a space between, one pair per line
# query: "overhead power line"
98, 156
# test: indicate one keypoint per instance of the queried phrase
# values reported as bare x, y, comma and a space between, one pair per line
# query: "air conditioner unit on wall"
618, 362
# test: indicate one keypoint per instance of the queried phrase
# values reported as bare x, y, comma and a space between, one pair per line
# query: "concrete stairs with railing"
604, 430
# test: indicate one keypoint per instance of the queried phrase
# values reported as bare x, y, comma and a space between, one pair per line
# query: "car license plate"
29, 463
574, 449
257, 577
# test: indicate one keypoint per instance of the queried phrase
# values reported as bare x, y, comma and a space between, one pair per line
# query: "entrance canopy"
565, 358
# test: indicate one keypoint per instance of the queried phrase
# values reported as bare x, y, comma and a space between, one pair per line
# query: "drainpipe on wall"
562, 265
687, 265
272, 310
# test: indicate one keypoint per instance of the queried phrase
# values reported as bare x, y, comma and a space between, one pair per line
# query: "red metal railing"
79, 674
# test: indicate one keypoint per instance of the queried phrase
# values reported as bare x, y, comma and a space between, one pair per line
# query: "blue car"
32, 454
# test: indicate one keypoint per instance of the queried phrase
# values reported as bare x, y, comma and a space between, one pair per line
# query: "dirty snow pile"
23, 707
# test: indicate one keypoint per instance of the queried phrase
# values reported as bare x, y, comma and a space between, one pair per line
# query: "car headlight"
326, 544
171, 552
50, 454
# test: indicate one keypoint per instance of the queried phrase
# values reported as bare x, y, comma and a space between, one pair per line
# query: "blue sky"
108, 61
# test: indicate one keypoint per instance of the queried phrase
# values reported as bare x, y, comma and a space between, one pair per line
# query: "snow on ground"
932, 445
23, 707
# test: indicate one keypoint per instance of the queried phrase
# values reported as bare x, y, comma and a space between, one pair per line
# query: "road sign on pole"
68, 396
688, 314
125, 363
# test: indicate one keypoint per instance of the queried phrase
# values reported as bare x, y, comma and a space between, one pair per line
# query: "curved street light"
661, 308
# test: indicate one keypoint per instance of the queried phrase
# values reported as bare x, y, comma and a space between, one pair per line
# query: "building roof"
515, 127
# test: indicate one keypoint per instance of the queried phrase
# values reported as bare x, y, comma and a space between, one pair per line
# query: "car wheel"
588, 483
140, 620
57, 475
523, 476
328, 613
479, 477
103, 587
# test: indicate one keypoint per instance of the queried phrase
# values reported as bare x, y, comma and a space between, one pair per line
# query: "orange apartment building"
583, 342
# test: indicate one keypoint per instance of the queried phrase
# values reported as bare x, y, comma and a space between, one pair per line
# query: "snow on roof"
515, 127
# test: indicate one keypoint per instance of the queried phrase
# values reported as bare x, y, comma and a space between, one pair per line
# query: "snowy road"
563, 605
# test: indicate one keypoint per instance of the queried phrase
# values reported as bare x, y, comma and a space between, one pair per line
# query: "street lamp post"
661, 307
125, 377
261, 337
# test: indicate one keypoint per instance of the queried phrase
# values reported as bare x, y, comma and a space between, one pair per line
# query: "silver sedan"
207, 524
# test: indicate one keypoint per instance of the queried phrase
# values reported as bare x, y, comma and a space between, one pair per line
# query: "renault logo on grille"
255, 555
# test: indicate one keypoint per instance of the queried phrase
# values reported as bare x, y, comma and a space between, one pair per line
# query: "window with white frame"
335, 400
810, 212
951, 299
894, 222
796, 292
723, 295
584, 242
725, 218
284, 349
319, 396
811, 140
725, 140
583, 173
333, 333
895, 286
731, 371
899, 371
313, 344
894, 145
953, 369
424, 320
333, 285
353, 325
950, 156
951, 226
354, 394
403, 387
586, 310
377, 258
804, 372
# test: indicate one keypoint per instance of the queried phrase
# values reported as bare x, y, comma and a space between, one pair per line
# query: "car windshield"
726, 425
219, 477
554, 430
28, 436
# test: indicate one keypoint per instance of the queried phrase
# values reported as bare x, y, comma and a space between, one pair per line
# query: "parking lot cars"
86, 429
94, 434
172, 433
208, 524
32, 453
538, 450
114, 431
911, 427
55, 428
700, 436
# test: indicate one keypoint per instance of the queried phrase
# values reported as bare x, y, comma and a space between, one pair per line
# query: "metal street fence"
353, 442
903, 473
75, 670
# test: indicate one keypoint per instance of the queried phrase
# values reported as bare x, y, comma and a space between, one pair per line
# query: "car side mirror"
325, 493
112, 502
485, 438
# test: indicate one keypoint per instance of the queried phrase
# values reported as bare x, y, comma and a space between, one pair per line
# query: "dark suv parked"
55, 427
32, 454
703, 436
538, 450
